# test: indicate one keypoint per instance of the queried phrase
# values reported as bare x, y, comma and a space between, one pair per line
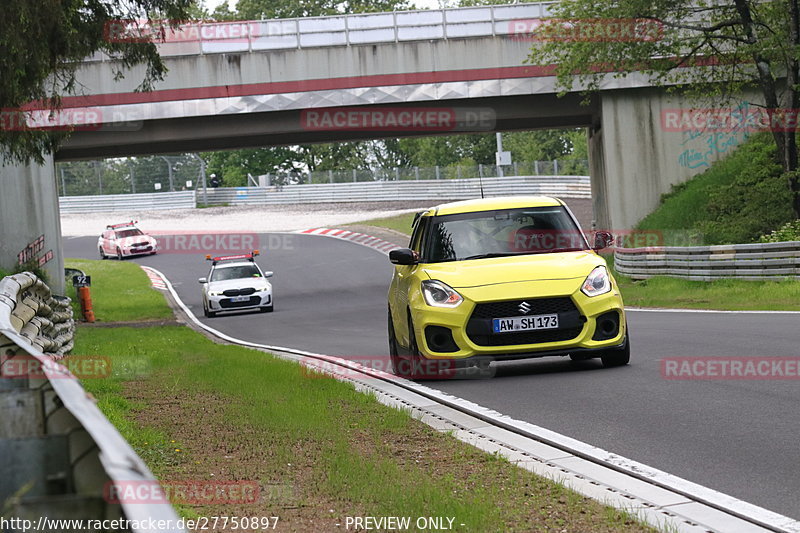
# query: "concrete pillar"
597, 178
29, 219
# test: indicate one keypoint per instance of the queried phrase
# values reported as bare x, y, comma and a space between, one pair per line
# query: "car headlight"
597, 282
438, 294
215, 293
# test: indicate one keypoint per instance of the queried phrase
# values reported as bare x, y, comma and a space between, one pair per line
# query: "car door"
107, 245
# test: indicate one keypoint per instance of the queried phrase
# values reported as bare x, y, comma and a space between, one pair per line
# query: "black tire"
119, 254
618, 356
394, 355
102, 253
418, 366
207, 313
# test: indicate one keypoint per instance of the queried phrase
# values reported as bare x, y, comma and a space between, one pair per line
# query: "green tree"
43, 42
711, 50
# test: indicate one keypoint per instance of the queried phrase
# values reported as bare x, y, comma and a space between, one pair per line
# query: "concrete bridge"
250, 84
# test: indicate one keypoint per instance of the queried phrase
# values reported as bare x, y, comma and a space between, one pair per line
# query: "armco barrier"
706, 263
127, 202
58, 450
382, 191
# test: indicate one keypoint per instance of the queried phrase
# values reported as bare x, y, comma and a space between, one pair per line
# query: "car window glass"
416, 236
235, 272
502, 232
125, 233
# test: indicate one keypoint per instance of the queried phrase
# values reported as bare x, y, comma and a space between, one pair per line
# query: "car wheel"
618, 356
417, 367
102, 253
119, 254
207, 313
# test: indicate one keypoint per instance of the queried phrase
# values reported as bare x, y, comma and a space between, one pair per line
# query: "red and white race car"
125, 240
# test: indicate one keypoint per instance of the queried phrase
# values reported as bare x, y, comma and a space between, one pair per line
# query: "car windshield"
235, 272
125, 233
500, 233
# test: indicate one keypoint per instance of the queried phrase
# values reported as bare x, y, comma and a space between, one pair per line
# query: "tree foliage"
710, 49
42, 43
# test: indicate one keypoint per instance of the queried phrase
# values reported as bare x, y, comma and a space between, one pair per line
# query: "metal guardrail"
706, 263
124, 202
346, 30
372, 191
59, 451
384, 191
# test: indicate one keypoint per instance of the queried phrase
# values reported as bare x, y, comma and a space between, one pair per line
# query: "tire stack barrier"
60, 455
39, 316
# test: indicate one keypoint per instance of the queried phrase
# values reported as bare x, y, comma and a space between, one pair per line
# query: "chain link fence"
172, 173
564, 167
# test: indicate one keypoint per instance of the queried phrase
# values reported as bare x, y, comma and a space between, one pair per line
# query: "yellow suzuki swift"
500, 279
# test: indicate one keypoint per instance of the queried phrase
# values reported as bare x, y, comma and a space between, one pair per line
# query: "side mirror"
202, 280
269, 274
602, 239
403, 256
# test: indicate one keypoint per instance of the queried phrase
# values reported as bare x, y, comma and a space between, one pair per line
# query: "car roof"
490, 204
233, 264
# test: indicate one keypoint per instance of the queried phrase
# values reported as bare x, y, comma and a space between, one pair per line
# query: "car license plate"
524, 323
240, 299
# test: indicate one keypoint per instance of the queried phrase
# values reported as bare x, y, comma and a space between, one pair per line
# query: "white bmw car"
236, 283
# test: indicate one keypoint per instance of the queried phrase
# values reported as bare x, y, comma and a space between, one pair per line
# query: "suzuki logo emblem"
524, 308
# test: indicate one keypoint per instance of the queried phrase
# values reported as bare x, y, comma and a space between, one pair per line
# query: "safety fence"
376, 191
706, 263
124, 202
60, 454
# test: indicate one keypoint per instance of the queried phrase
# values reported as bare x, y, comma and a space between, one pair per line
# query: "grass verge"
319, 450
401, 223
120, 292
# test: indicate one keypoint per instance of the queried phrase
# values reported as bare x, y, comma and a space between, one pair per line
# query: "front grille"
538, 306
239, 292
228, 304
141, 248
526, 337
479, 327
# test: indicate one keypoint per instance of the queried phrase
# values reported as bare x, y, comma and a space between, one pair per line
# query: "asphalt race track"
738, 437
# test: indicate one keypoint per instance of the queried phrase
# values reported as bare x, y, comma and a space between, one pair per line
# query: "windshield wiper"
491, 254
527, 252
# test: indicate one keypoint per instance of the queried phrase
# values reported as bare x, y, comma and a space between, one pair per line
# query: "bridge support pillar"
30, 227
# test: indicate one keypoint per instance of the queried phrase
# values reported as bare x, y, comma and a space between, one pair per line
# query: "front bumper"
226, 303
581, 331
139, 250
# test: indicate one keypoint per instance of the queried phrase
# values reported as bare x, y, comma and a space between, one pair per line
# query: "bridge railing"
706, 263
346, 30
